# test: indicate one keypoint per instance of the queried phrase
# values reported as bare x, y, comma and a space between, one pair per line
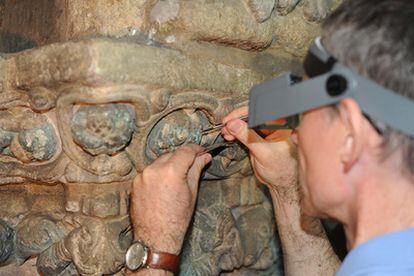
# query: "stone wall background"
174, 67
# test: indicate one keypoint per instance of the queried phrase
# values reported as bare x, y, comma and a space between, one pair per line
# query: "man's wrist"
288, 192
159, 243
142, 257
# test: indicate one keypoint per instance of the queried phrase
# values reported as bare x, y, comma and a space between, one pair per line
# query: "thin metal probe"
220, 126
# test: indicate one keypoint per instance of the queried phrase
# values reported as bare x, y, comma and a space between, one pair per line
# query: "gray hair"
376, 39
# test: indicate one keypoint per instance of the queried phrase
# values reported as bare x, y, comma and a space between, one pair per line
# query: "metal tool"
220, 126
213, 147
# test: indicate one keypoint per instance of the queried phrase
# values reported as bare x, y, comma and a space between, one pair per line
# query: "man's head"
340, 148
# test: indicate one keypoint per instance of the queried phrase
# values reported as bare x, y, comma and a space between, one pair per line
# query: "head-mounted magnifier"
286, 96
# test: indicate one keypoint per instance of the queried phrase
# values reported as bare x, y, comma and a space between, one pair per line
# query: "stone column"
93, 91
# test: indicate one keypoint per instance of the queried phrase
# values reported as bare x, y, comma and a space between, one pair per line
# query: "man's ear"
354, 137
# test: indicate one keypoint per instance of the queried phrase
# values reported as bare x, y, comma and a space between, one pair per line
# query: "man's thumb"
246, 136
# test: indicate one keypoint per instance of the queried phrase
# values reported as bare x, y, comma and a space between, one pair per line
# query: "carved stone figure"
91, 93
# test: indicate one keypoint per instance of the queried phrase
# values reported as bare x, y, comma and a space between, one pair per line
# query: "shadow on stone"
13, 43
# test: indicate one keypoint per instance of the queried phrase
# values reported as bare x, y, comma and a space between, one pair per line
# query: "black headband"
317, 62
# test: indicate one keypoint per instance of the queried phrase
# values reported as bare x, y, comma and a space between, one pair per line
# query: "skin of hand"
273, 159
163, 198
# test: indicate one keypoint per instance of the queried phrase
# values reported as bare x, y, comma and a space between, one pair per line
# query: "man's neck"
383, 206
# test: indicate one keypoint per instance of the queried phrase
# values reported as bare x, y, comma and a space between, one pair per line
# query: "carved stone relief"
79, 119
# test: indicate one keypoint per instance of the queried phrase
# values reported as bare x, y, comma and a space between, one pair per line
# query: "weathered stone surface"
246, 24
39, 143
262, 10
294, 34
27, 269
7, 247
215, 21
218, 239
26, 23
174, 130
89, 62
35, 234
17, 200
316, 11
79, 119
79, 18
103, 129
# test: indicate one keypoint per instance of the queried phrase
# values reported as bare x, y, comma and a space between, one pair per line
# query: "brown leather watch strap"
163, 260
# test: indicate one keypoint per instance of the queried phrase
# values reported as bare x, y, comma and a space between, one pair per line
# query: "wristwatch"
140, 256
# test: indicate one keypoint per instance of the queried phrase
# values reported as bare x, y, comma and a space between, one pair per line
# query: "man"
355, 147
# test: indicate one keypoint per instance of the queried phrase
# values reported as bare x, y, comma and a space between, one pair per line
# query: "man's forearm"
306, 249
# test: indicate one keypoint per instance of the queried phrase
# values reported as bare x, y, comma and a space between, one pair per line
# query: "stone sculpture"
79, 118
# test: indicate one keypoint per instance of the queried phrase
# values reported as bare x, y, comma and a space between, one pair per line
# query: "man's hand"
163, 198
273, 159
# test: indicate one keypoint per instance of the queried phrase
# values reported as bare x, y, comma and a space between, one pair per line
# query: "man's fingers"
229, 137
235, 114
184, 157
164, 158
194, 173
248, 137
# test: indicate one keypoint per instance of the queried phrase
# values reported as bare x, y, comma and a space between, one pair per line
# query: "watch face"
136, 256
